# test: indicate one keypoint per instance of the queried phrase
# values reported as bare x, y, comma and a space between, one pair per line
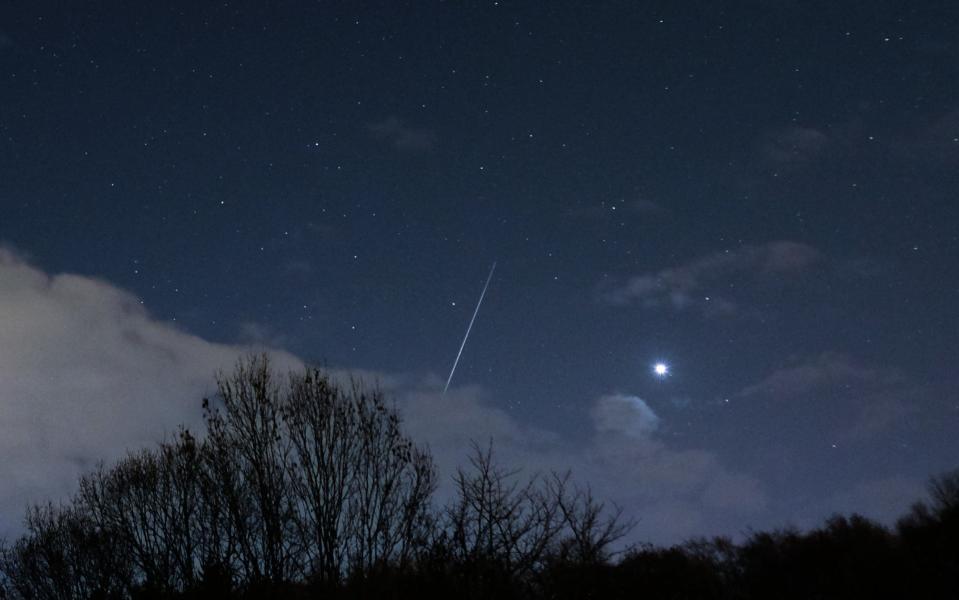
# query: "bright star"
661, 369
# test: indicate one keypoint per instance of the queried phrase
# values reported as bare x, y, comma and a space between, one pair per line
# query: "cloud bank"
673, 493
87, 374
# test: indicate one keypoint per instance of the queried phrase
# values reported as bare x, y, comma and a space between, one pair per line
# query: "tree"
928, 535
248, 462
298, 478
497, 520
62, 556
361, 488
314, 478
590, 529
507, 533
152, 503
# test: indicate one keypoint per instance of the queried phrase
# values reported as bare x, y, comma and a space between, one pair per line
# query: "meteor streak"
469, 327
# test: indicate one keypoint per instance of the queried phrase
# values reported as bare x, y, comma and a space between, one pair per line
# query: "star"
661, 369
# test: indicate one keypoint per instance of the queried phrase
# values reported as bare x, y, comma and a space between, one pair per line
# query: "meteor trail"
469, 327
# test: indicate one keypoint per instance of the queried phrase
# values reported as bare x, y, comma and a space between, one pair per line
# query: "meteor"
469, 327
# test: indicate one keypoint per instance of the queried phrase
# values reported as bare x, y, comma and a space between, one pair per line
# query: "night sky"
760, 195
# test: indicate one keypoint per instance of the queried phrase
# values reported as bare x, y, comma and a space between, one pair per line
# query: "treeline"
300, 485
305, 487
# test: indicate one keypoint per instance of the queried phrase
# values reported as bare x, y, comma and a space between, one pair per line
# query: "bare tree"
61, 557
944, 491
362, 488
497, 520
508, 532
310, 478
248, 466
299, 478
590, 529
943, 503
152, 503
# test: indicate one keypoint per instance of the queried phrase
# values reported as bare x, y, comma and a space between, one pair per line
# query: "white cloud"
629, 415
674, 493
85, 374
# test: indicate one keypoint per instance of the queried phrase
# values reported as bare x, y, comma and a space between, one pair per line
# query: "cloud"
261, 334
861, 402
624, 414
829, 369
704, 283
856, 433
674, 493
929, 141
882, 412
85, 374
793, 146
401, 136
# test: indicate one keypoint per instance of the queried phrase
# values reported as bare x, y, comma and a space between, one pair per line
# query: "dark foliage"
303, 487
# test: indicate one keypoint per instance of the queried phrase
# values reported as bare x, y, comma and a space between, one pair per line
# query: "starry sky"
759, 194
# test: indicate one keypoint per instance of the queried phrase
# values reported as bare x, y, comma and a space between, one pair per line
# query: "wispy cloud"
402, 136
929, 141
703, 283
260, 334
793, 146
823, 371
873, 400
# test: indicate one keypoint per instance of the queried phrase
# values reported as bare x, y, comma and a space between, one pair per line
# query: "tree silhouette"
304, 485
62, 555
930, 538
297, 479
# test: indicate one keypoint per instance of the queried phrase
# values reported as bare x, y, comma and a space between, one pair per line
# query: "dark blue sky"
761, 194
